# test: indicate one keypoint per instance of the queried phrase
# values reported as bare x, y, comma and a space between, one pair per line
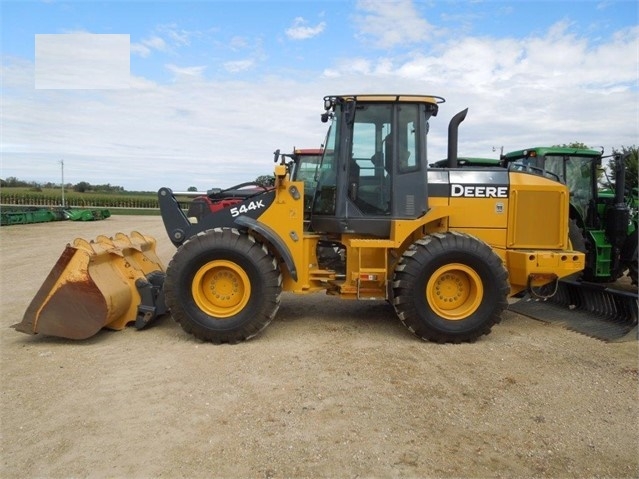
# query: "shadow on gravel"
333, 313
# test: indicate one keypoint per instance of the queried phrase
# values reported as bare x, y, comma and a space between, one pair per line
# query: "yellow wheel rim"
454, 291
221, 288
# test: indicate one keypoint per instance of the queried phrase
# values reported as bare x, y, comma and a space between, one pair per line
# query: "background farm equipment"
603, 225
87, 214
603, 221
302, 165
13, 215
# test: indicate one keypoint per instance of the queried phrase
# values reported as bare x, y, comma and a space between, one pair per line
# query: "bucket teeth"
93, 286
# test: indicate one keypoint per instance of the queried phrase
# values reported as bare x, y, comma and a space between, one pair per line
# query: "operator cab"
374, 167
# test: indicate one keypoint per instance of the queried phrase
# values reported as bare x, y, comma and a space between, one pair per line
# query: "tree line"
86, 187
631, 159
81, 187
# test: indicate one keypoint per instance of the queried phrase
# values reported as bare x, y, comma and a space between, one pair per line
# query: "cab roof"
386, 97
552, 150
467, 161
308, 151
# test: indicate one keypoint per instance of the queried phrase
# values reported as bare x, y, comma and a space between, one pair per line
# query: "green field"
143, 203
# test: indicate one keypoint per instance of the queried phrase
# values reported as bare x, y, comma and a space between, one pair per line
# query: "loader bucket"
103, 283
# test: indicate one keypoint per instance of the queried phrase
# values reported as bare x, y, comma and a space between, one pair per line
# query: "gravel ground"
331, 388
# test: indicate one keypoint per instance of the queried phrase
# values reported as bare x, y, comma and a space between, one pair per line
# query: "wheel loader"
445, 246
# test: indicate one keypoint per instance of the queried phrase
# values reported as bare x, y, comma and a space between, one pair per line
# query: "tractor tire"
576, 237
222, 286
450, 288
578, 242
629, 255
633, 270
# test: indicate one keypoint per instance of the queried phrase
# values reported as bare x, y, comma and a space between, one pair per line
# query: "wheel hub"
451, 289
454, 291
221, 288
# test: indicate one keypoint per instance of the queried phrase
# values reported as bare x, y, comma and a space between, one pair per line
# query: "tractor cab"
304, 168
576, 168
374, 167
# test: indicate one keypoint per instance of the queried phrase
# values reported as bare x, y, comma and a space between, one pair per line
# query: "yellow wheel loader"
446, 246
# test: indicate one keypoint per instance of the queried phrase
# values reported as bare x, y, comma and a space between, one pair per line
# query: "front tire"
222, 286
450, 287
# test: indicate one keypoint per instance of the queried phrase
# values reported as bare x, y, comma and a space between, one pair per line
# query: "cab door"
410, 196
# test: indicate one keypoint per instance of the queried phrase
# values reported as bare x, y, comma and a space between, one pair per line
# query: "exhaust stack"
453, 128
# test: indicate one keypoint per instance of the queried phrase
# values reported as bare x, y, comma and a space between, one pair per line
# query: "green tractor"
603, 225
603, 222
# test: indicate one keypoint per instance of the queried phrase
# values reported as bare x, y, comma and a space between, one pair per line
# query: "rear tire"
629, 254
576, 237
633, 270
222, 286
450, 287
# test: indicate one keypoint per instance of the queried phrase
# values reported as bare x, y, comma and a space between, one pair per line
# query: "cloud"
237, 66
177, 36
557, 60
252, 53
140, 50
165, 38
156, 43
188, 72
605, 4
147, 45
82, 61
301, 31
238, 43
389, 23
207, 133
548, 89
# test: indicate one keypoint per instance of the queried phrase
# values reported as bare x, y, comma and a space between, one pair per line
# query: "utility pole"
62, 166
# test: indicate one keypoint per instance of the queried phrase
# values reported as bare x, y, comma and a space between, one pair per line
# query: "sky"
147, 94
